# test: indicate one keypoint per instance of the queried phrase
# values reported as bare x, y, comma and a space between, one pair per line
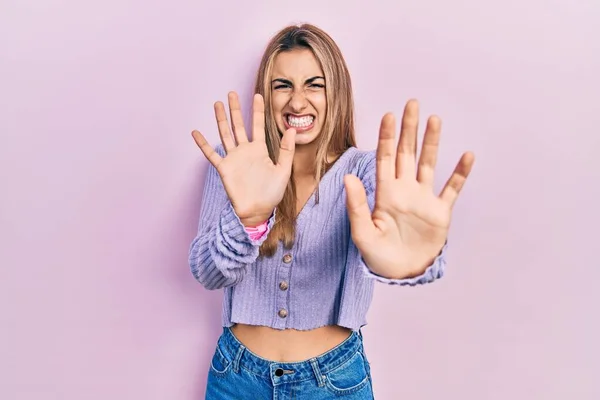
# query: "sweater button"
283, 313
287, 258
283, 285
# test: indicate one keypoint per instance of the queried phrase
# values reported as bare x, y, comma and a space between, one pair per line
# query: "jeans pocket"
219, 365
348, 378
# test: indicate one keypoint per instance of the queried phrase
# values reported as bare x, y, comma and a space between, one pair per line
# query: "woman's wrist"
253, 222
257, 231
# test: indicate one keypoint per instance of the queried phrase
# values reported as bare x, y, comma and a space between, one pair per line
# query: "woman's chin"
305, 138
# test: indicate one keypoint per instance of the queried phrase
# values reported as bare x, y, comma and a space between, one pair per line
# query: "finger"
456, 182
237, 121
211, 155
224, 131
385, 148
359, 213
429, 151
407, 145
287, 149
258, 118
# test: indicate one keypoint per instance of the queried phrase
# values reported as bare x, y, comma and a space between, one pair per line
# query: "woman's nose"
298, 101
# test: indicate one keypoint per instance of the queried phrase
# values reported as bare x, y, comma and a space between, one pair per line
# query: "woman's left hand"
409, 223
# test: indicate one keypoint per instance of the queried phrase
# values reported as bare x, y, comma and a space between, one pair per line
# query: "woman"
297, 225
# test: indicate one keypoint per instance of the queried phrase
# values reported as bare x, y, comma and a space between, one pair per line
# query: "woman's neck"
304, 161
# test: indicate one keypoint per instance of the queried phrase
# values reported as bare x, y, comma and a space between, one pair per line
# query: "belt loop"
238, 357
320, 377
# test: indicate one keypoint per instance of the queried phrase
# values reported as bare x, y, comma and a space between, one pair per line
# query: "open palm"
409, 223
254, 184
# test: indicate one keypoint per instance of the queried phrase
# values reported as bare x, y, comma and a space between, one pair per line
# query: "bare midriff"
289, 345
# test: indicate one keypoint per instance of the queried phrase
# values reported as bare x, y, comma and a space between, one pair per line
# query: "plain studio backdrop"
101, 185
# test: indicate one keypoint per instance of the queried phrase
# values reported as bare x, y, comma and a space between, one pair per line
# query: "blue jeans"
237, 373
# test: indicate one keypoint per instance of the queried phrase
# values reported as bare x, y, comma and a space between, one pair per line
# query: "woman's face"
298, 94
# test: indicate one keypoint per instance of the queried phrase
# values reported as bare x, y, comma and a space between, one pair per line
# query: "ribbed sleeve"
433, 272
222, 249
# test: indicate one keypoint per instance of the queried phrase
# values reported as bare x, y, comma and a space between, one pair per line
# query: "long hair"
337, 134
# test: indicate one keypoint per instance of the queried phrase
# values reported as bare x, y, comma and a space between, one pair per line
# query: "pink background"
101, 184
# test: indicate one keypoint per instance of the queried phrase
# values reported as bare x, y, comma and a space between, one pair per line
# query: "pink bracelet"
256, 232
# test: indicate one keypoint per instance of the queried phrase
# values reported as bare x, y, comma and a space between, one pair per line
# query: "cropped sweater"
322, 280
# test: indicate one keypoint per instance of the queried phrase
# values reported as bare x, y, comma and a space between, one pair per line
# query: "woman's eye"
317, 85
281, 87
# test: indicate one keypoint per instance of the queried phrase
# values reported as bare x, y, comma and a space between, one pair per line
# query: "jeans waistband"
288, 372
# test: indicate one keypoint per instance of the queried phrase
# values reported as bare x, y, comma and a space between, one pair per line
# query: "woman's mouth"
301, 123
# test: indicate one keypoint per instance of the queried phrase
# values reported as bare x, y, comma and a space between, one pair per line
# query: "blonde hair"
337, 134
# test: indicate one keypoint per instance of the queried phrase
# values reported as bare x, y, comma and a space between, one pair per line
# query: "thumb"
287, 148
359, 212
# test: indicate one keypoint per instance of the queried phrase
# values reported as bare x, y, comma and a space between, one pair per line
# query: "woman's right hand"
254, 184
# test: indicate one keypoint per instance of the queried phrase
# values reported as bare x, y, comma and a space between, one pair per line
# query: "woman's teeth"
301, 122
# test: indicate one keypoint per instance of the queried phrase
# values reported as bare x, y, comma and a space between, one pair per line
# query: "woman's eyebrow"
314, 78
281, 80
288, 82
